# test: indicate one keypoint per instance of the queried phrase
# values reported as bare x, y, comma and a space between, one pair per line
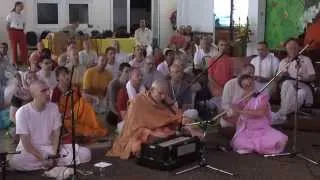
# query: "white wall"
256, 15
166, 8
100, 16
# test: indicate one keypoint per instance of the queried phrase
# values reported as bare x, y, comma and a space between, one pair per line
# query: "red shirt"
178, 40
122, 100
221, 71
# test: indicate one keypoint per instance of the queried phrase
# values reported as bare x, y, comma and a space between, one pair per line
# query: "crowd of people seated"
147, 95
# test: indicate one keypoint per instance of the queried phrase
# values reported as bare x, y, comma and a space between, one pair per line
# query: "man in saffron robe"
87, 124
147, 118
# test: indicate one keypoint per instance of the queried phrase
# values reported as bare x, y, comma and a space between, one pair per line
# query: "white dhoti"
288, 96
28, 162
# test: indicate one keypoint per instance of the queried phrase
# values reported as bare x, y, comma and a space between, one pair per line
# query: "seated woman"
253, 117
19, 94
87, 124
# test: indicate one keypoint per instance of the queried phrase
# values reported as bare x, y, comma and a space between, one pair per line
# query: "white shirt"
132, 91
39, 125
163, 68
122, 58
87, 58
16, 21
232, 93
114, 69
199, 54
143, 37
50, 81
305, 70
266, 67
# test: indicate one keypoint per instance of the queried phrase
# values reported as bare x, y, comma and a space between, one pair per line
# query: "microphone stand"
69, 93
203, 160
294, 152
3, 163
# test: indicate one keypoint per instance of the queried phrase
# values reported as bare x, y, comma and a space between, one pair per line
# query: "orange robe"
145, 119
86, 121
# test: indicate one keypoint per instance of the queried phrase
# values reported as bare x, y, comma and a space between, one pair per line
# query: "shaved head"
40, 92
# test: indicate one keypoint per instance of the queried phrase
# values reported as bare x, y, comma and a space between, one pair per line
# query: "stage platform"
248, 167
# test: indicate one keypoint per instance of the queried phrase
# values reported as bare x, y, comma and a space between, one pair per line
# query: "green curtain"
282, 20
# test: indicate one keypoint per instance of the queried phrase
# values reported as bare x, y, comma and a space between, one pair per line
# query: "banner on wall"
196, 13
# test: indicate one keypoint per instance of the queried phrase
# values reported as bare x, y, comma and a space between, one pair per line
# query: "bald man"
38, 124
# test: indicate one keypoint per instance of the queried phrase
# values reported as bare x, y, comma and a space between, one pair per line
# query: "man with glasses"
38, 124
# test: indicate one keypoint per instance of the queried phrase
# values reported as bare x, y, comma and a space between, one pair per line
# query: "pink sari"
255, 134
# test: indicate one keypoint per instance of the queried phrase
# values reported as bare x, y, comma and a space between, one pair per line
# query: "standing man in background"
143, 37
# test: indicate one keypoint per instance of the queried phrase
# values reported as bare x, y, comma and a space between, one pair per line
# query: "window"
47, 13
78, 13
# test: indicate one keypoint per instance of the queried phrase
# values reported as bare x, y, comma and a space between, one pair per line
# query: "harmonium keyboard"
170, 153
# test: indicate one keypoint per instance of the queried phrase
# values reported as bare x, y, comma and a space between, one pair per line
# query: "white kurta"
40, 126
163, 68
88, 58
144, 38
232, 93
132, 92
288, 91
266, 68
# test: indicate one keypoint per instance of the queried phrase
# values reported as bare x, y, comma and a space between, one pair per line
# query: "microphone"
168, 106
56, 156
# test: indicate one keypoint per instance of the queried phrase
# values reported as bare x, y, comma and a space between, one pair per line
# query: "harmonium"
170, 153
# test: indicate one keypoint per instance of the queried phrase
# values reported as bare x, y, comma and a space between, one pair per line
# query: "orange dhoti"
145, 119
86, 122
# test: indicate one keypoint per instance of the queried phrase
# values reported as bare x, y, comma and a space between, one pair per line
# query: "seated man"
148, 117
78, 69
38, 124
254, 132
46, 74
138, 58
121, 57
266, 66
112, 65
87, 124
134, 86
115, 87
150, 73
232, 93
179, 90
168, 60
87, 57
218, 75
95, 84
306, 74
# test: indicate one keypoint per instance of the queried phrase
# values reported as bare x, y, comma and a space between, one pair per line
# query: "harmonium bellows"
170, 153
